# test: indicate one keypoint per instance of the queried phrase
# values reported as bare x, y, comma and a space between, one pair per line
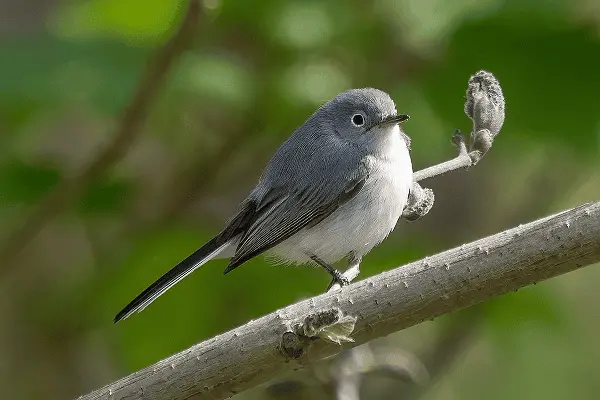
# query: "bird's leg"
338, 277
353, 268
349, 275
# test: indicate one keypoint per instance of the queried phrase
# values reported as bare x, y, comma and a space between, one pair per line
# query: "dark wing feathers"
287, 215
244, 218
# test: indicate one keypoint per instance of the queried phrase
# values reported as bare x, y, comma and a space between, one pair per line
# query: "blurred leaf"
302, 24
314, 82
105, 196
216, 77
248, 13
506, 315
23, 183
17, 114
431, 139
49, 73
149, 23
427, 23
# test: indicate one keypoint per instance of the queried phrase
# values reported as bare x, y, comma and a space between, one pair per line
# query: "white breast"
364, 221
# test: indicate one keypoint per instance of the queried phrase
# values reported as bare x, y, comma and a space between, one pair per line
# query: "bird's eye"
358, 120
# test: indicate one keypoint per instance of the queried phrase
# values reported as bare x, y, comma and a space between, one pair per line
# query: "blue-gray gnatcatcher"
333, 190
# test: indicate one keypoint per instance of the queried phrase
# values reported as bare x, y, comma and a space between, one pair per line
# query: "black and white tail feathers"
236, 226
173, 276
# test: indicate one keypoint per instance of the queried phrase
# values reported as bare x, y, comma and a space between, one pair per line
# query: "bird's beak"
393, 120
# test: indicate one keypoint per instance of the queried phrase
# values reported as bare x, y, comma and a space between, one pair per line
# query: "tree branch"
254, 353
128, 128
462, 160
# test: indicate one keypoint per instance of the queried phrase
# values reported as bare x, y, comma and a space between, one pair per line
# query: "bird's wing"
289, 211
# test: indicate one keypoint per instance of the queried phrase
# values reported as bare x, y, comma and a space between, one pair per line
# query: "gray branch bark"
252, 354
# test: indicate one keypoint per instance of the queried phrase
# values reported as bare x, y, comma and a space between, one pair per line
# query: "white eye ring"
358, 120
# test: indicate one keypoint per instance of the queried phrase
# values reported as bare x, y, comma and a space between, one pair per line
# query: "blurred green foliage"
152, 21
23, 183
256, 71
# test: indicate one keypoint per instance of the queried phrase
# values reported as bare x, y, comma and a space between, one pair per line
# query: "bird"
331, 192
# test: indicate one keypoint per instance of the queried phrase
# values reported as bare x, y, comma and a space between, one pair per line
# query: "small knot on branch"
330, 324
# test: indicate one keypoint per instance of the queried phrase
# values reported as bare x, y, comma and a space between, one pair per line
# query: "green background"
256, 71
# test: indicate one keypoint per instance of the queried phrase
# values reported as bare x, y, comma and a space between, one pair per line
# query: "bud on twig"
485, 106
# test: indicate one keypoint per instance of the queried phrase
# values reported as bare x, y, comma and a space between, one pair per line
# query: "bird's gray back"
314, 162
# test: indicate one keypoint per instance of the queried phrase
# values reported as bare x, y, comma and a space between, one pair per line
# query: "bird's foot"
348, 276
339, 279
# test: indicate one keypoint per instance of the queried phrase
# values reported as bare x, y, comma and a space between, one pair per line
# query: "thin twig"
254, 353
129, 127
462, 160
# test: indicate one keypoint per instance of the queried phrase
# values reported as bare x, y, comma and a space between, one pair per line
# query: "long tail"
205, 253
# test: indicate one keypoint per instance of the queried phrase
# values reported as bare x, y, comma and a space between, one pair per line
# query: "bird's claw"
338, 278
